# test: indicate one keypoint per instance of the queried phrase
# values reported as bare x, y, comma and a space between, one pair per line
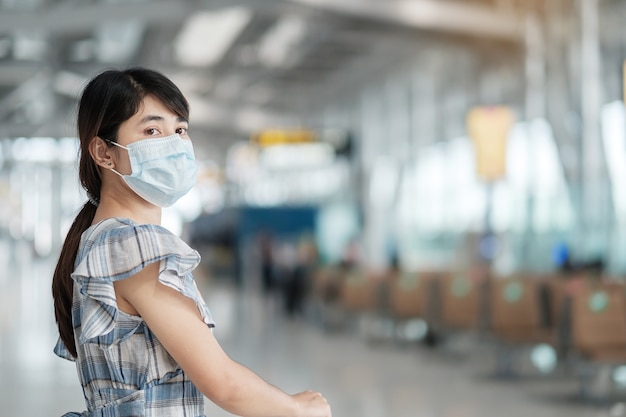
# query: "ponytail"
62, 283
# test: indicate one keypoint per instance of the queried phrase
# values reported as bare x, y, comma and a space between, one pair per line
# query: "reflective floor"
359, 378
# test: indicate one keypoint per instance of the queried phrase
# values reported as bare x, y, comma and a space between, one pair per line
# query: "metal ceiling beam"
15, 73
69, 18
24, 92
437, 15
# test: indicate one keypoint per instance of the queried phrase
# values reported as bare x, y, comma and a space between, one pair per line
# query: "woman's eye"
152, 131
182, 130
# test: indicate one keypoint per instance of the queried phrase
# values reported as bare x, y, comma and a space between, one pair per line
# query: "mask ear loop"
119, 146
114, 143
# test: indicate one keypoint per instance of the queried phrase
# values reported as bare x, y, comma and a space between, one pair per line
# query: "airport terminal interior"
415, 207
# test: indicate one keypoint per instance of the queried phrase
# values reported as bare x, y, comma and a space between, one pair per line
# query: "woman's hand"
312, 404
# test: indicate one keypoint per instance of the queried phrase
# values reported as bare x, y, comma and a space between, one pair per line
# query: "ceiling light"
29, 46
207, 36
119, 41
301, 156
279, 48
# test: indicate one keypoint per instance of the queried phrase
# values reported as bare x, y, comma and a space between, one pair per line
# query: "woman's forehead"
152, 109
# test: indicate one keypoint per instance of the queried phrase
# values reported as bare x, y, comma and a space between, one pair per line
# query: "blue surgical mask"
163, 169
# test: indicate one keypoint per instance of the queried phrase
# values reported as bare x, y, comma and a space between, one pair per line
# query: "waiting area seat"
583, 318
521, 310
461, 299
598, 320
410, 295
360, 291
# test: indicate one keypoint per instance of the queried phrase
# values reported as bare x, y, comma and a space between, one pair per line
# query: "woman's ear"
101, 153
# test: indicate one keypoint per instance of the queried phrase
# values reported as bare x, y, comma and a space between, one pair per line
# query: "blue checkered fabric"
123, 368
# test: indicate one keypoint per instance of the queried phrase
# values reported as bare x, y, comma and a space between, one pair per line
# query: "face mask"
163, 169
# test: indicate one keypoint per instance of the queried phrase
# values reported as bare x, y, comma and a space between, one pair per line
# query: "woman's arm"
176, 322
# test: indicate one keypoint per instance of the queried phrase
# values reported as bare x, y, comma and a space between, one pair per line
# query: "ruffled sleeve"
119, 252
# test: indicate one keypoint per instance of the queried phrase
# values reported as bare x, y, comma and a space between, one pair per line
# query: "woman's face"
152, 120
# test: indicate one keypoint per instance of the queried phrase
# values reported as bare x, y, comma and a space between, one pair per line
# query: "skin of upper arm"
177, 323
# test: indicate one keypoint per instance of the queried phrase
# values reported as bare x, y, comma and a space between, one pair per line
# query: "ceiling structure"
244, 65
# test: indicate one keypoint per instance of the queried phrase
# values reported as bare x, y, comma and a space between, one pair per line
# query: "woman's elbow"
221, 391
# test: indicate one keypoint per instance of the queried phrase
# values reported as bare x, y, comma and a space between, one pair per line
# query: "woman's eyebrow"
152, 118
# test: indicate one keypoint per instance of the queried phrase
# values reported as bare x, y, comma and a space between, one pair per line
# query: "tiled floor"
360, 379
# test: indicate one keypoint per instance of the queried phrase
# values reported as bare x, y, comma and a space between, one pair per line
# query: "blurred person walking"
126, 304
268, 279
299, 278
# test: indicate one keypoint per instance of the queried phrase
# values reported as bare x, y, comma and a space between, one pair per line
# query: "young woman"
126, 304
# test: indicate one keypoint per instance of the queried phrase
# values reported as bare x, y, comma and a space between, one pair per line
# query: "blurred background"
417, 207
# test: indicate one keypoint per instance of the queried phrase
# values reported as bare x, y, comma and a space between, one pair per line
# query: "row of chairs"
583, 318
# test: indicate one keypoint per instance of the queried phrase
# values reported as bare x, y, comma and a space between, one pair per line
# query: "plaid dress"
123, 368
